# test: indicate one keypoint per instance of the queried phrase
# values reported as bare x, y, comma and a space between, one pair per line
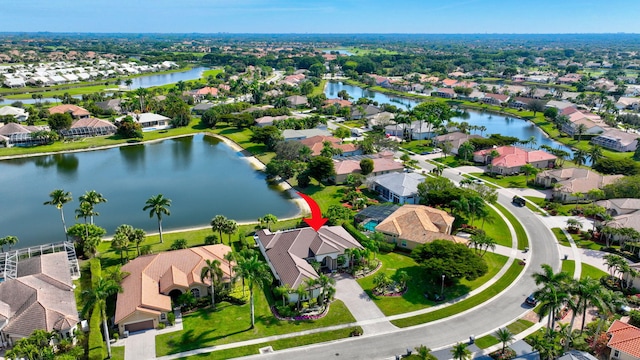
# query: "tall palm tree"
325, 283
269, 219
579, 157
212, 271
424, 353
256, 273
588, 292
529, 170
120, 242
460, 352
230, 256
505, 337
230, 227
594, 154
96, 299
580, 130
138, 238
8, 240
60, 197
552, 293
466, 148
94, 198
158, 205
218, 224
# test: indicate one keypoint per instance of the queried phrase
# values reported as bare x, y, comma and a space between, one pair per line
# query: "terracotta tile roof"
13, 128
41, 297
315, 143
340, 102
379, 165
511, 156
92, 123
499, 97
449, 82
571, 180
624, 337
420, 224
207, 90
287, 251
149, 275
74, 110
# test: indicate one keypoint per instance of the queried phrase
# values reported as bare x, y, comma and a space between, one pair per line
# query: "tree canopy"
454, 261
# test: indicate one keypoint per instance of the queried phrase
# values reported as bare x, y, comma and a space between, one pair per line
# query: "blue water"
339, 51
333, 88
371, 225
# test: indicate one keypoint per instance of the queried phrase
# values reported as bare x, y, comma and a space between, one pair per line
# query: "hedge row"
355, 233
96, 345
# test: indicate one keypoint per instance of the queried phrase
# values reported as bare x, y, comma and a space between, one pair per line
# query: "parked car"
531, 300
436, 150
518, 201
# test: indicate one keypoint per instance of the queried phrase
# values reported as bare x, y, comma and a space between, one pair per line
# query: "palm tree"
8, 240
269, 219
120, 242
580, 130
212, 271
94, 198
218, 224
529, 170
325, 283
158, 205
552, 294
460, 352
505, 337
256, 273
424, 353
230, 227
282, 290
594, 154
96, 299
138, 238
588, 292
60, 197
465, 149
301, 291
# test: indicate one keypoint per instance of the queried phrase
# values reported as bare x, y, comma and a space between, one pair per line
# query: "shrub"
211, 239
386, 247
96, 346
634, 317
161, 326
179, 244
171, 318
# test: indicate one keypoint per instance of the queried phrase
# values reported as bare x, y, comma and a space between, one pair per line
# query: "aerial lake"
200, 174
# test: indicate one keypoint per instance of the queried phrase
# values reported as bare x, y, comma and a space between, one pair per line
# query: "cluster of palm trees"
8, 240
306, 290
482, 242
382, 281
560, 292
221, 224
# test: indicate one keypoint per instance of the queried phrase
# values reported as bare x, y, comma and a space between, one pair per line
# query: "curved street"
483, 319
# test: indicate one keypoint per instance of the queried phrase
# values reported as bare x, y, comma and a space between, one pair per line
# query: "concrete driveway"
360, 305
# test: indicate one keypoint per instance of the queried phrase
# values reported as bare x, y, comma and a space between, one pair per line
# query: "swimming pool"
371, 225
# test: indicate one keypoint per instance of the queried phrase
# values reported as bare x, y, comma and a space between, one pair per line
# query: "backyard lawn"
496, 227
230, 323
414, 298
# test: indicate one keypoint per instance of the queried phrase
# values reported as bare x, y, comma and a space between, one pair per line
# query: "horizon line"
318, 33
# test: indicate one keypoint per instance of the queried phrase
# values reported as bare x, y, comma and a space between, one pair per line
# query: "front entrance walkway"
361, 306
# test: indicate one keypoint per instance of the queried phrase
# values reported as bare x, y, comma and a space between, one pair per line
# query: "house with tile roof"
446, 93
351, 165
456, 139
316, 143
150, 121
511, 159
618, 140
19, 114
367, 111
413, 225
495, 99
89, 127
568, 181
297, 101
154, 281
40, 297
290, 253
398, 188
75, 111
624, 341
622, 206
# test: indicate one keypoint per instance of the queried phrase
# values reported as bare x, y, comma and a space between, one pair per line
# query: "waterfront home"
455, 139
520, 102
202, 93
567, 182
114, 105
413, 225
337, 102
446, 93
624, 341
293, 80
150, 121
618, 140
290, 254
316, 143
202, 108
560, 105
398, 188
495, 99
569, 79
269, 120
511, 159
154, 281
449, 83
380, 120
366, 112
14, 134
40, 297
351, 165
19, 114
75, 111
513, 90
290, 134
89, 127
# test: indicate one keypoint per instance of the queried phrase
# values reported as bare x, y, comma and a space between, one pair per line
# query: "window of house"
616, 354
195, 292
404, 243
163, 316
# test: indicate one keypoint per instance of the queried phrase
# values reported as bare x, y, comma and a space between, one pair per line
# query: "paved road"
498, 312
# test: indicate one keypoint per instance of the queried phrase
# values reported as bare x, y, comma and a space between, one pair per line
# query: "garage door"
143, 325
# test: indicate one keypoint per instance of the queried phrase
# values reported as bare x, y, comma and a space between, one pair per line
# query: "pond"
495, 124
333, 88
142, 81
201, 175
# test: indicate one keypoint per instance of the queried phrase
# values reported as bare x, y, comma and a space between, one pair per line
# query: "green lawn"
511, 181
466, 304
560, 236
451, 161
496, 227
523, 241
417, 146
325, 196
568, 266
211, 72
486, 341
117, 352
230, 323
319, 89
414, 298
276, 345
536, 200
592, 272
519, 326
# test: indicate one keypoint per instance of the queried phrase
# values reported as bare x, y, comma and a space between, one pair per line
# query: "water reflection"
133, 157
182, 150
66, 164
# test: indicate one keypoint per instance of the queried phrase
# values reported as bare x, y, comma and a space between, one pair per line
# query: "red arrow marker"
316, 221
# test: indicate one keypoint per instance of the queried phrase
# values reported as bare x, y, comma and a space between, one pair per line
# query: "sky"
321, 16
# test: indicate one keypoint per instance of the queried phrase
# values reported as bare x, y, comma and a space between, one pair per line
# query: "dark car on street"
531, 300
518, 201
